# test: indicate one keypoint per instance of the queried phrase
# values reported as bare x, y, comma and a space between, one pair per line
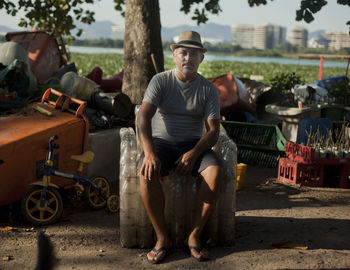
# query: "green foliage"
307, 8
203, 8
119, 6
9, 6
57, 16
111, 64
285, 81
259, 53
341, 92
103, 43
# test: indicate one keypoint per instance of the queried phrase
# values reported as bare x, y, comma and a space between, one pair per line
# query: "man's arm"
187, 160
151, 164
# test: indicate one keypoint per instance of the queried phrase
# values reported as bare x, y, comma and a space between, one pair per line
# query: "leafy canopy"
57, 16
307, 8
60, 16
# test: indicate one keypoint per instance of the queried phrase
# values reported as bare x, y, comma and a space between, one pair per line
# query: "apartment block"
337, 40
243, 35
261, 37
299, 36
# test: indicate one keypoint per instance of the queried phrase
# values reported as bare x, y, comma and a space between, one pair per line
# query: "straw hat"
189, 39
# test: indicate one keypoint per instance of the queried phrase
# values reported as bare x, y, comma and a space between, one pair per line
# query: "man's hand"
186, 163
151, 164
150, 167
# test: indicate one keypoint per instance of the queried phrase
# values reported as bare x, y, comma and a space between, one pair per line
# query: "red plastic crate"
300, 153
300, 173
306, 154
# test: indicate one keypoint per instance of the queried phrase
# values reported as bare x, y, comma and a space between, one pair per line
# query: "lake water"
212, 57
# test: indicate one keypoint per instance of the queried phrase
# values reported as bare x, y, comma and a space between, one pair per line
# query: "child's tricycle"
23, 153
43, 204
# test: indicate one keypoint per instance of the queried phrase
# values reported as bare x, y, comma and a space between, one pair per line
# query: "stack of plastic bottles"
180, 193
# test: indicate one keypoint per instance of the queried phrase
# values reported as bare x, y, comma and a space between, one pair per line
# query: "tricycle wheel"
42, 215
94, 198
113, 204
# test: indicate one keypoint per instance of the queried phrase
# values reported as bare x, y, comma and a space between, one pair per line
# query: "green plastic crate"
258, 144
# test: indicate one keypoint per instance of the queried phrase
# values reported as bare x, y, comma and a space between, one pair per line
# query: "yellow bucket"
241, 171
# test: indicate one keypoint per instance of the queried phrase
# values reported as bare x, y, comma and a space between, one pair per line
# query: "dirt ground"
268, 211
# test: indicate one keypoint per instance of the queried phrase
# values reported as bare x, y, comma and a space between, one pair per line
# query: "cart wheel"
92, 196
113, 204
49, 213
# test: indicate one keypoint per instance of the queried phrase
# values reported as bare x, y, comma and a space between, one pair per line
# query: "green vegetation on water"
112, 64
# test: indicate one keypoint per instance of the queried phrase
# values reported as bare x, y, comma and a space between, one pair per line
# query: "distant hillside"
5, 29
316, 34
96, 30
209, 31
103, 29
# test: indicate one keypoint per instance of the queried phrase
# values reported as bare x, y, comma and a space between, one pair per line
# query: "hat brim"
174, 46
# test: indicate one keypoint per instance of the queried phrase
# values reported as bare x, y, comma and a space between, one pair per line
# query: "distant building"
262, 37
243, 35
317, 42
212, 40
279, 35
337, 40
299, 36
118, 32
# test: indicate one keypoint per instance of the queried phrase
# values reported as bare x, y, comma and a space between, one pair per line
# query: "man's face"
187, 60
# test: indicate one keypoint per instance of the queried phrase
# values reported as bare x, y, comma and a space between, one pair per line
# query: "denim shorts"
169, 152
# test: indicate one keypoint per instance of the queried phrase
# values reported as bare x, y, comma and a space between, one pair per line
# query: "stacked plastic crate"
303, 165
258, 144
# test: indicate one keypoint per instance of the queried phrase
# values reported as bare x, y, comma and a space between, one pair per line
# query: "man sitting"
178, 123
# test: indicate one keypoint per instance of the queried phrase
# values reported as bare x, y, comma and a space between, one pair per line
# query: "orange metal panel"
44, 55
24, 144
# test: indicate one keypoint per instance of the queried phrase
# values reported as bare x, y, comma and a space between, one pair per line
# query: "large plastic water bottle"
145, 237
128, 192
133, 153
124, 152
226, 203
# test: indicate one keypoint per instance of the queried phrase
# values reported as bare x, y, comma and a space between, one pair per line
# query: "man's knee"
212, 176
212, 173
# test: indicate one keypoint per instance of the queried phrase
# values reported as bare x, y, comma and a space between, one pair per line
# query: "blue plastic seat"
311, 125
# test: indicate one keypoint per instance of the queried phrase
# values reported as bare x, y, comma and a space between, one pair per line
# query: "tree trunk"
142, 39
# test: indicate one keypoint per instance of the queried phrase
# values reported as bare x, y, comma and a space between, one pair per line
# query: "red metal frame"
322, 57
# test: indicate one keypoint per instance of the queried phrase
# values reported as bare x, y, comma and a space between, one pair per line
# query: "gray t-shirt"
181, 107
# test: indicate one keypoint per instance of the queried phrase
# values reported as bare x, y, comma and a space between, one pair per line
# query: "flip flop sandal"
201, 258
156, 252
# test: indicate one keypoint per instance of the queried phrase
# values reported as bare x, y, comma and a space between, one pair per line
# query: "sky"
282, 12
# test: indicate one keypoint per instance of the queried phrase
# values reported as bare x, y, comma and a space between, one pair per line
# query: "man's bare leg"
205, 203
153, 199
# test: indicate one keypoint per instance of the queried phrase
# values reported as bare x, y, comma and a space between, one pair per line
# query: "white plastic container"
77, 86
128, 191
9, 51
